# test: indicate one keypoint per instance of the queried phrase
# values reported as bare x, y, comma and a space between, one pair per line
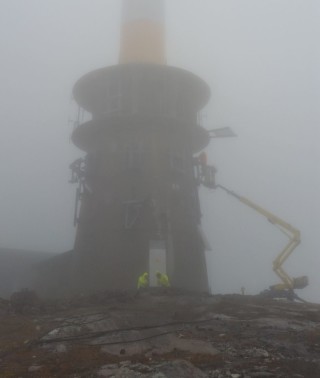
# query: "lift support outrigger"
284, 289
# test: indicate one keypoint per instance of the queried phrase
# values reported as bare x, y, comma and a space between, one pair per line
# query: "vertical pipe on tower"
143, 32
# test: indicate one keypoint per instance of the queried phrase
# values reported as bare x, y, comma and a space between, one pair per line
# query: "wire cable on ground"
104, 333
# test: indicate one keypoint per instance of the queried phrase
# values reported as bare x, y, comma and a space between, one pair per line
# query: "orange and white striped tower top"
143, 32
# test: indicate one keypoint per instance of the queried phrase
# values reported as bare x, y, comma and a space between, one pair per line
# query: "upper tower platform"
142, 86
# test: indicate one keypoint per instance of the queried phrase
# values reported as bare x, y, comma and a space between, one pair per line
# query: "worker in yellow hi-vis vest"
162, 280
143, 281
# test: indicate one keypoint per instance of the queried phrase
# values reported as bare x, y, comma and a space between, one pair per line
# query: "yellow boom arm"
294, 240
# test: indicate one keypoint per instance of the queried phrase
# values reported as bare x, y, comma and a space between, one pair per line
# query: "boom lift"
288, 283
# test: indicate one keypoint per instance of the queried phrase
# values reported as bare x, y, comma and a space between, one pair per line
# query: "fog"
261, 61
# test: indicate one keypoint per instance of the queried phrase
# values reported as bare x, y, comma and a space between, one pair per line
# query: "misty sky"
261, 60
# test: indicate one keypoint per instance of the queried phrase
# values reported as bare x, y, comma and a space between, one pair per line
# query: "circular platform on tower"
92, 134
149, 89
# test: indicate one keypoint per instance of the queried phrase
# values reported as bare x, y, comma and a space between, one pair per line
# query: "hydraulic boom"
288, 283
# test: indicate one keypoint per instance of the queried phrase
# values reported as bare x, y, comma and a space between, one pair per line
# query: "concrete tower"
138, 195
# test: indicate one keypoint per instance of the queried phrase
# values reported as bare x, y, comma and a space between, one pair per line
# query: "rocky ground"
158, 334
